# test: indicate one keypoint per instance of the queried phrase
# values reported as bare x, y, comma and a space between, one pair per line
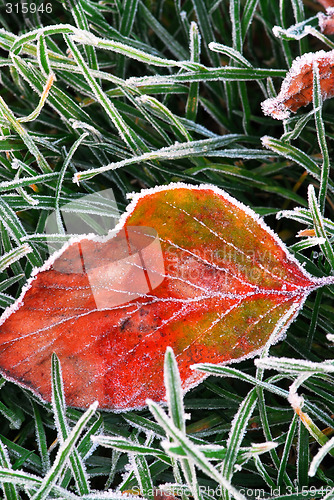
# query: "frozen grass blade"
128, 17
319, 226
282, 19
61, 180
195, 52
304, 455
297, 31
205, 147
176, 413
307, 243
168, 40
6, 301
237, 39
13, 256
320, 36
16, 229
236, 435
129, 446
224, 371
59, 405
247, 16
143, 475
297, 403
190, 450
294, 366
232, 53
41, 438
236, 25
268, 434
30, 482
9, 490
131, 140
174, 391
296, 155
297, 128
41, 103
80, 18
63, 454
26, 181
25, 136
286, 451
125, 50
299, 14
205, 74
205, 26
42, 55
66, 107
321, 133
321, 454
161, 111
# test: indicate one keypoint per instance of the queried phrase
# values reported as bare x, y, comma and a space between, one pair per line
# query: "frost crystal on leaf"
297, 87
326, 3
326, 21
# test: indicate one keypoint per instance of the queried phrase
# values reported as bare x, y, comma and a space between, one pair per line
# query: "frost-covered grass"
133, 94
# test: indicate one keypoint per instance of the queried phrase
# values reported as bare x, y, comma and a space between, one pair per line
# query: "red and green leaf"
227, 285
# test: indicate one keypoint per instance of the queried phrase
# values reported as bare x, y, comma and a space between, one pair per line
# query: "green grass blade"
62, 103
247, 16
205, 147
287, 449
41, 438
42, 55
321, 133
230, 52
129, 446
177, 49
304, 455
174, 391
195, 52
9, 490
16, 229
80, 18
59, 405
131, 139
25, 136
205, 26
190, 450
143, 475
237, 433
63, 454
295, 154
319, 226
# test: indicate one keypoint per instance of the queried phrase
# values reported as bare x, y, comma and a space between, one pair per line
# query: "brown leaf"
297, 87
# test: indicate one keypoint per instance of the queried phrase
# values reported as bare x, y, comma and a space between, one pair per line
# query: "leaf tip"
265, 141
76, 178
275, 108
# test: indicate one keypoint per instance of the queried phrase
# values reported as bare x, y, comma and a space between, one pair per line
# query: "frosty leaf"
297, 87
109, 310
326, 22
326, 3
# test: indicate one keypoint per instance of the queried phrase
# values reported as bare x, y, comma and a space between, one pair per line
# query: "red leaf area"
297, 87
227, 285
326, 3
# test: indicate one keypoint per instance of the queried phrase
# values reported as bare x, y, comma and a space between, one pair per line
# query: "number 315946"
28, 8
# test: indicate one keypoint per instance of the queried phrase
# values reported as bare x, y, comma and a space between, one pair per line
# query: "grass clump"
133, 94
